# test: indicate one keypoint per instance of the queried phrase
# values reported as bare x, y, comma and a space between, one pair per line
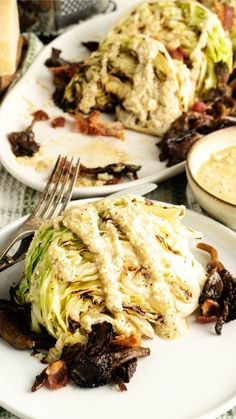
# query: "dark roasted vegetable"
99, 338
103, 360
23, 143
212, 289
209, 114
124, 373
218, 297
115, 169
15, 327
222, 88
98, 370
10, 328
91, 45
102, 363
175, 145
62, 71
118, 170
55, 60
174, 149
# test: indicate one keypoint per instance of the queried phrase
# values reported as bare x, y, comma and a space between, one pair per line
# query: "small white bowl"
200, 152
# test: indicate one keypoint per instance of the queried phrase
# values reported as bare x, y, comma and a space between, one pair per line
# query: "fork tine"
59, 197
52, 200
36, 210
49, 200
68, 194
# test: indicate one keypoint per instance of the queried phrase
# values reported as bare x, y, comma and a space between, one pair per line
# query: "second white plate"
34, 91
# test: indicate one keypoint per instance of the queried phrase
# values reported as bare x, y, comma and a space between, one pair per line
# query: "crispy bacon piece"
92, 125
58, 122
113, 181
206, 319
132, 340
55, 376
108, 129
210, 308
40, 115
228, 19
225, 13
80, 124
199, 107
177, 54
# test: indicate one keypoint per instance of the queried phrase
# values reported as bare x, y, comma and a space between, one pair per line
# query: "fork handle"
18, 235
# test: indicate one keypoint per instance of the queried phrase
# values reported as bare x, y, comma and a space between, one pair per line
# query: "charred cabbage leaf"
86, 267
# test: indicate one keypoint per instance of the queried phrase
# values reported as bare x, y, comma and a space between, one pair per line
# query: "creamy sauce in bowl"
217, 175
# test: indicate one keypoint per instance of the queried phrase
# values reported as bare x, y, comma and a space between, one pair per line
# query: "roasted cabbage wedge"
152, 65
138, 78
123, 260
151, 90
184, 25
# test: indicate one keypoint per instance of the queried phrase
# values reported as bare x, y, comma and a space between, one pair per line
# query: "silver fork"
52, 202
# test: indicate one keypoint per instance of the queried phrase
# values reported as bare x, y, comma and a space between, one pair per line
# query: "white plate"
188, 378
34, 91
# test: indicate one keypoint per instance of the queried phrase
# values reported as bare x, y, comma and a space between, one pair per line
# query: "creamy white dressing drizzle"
85, 225
164, 282
139, 231
61, 261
